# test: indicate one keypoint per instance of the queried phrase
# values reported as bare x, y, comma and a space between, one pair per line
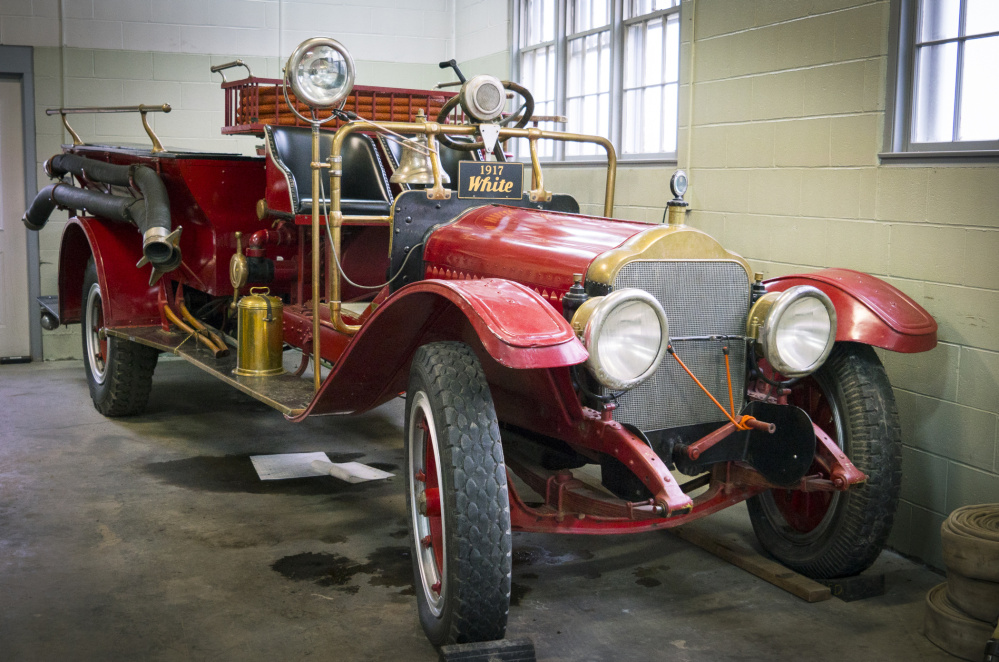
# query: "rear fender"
869, 310
127, 298
507, 324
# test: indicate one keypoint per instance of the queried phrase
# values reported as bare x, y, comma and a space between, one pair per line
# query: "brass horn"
414, 164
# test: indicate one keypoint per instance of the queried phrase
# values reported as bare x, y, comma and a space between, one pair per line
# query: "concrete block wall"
126, 52
482, 37
787, 123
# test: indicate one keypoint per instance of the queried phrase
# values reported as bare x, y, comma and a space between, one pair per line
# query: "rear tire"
457, 499
119, 372
839, 534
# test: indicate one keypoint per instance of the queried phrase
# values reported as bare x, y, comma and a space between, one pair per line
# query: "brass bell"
414, 166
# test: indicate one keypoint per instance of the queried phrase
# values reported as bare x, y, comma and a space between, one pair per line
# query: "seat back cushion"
364, 177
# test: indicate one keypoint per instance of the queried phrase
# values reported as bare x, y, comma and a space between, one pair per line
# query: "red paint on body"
541, 249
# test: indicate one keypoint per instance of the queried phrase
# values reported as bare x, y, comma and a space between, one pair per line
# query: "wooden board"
730, 548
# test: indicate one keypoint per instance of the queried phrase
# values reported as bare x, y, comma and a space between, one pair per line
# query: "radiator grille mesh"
703, 297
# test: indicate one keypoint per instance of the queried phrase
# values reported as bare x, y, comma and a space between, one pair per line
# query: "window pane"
983, 16
629, 125
539, 25
669, 118
537, 74
979, 92
649, 107
632, 55
933, 105
636, 8
938, 19
654, 52
588, 14
672, 72
588, 89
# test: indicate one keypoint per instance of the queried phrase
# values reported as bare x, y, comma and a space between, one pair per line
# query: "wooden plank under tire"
951, 629
743, 556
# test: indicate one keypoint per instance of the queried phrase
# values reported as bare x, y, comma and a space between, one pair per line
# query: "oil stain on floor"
386, 566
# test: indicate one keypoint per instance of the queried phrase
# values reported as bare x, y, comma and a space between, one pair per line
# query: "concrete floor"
151, 538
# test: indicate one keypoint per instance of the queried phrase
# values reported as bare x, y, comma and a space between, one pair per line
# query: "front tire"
457, 499
839, 534
119, 372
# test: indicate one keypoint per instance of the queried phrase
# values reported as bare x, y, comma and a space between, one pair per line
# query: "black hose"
151, 213
40, 209
95, 171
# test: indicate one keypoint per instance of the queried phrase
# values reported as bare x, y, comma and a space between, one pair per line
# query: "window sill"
942, 156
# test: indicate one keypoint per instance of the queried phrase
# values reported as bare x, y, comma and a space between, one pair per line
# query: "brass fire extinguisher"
261, 334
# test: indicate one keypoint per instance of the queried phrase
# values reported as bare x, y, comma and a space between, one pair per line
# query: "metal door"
14, 310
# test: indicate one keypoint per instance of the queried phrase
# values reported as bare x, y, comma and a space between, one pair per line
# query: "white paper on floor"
352, 472
288, 465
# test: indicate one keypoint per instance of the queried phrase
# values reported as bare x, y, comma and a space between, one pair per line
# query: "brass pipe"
437, 192
538, 192
366, 219
317, 377
197, 324
431, 129
172, 316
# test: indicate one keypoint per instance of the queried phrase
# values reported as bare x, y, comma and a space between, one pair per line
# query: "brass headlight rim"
589, 319
772, 307
296, 58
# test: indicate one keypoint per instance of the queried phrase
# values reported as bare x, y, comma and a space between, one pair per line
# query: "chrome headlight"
320, 72
626, 334
794, 330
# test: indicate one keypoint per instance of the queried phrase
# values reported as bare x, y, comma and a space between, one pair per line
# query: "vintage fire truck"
563, 373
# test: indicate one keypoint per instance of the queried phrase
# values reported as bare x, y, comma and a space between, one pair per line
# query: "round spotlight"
320, 72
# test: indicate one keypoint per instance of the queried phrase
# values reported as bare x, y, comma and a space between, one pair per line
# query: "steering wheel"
452, 103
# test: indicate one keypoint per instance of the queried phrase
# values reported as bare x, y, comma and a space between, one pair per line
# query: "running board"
288, 394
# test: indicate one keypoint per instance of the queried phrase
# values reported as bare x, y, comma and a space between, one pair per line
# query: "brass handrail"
141, 108
335, 218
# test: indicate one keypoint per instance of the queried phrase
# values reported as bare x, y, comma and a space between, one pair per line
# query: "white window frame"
899, 110
618, 29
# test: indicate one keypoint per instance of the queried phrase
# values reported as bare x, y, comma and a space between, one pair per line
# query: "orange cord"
742, 422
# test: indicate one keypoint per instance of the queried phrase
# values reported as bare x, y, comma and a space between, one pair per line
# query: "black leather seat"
364, 185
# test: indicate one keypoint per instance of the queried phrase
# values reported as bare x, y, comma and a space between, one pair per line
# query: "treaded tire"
448, 405
953, 630
119, 372
857, 523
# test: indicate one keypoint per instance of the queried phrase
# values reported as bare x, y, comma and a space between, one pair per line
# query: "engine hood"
543, 249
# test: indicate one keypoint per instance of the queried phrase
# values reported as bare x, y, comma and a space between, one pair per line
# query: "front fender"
869, 310
503, 321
